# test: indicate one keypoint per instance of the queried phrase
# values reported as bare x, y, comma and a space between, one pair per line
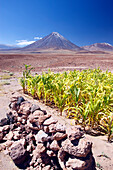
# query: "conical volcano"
52, 41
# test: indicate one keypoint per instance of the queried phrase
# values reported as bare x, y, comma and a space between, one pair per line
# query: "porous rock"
1, 136
18, 153
59, 136
74, 133
81, 150
40, 136
50, 121
54, 146
34, 135
25, 108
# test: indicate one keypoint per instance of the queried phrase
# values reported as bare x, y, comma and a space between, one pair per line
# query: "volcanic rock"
18, 153
54, 146
50, 121
81, 150
59, 136
40, 136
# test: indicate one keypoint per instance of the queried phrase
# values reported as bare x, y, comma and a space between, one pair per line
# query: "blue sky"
83, 22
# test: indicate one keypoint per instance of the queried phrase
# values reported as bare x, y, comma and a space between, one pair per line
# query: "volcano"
99, 47
52, 41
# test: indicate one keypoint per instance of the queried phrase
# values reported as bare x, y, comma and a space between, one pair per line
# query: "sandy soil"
56, 61
102, 150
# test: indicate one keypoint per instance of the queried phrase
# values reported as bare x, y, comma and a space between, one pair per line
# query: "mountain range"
99, 47
6, 47
56, 41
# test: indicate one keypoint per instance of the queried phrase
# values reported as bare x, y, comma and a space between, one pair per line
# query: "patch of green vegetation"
86, 96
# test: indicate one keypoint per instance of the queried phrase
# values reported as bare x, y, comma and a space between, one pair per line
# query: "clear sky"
83, 22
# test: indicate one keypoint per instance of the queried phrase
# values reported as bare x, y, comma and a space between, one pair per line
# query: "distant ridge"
6, 47
52, 41
99, 47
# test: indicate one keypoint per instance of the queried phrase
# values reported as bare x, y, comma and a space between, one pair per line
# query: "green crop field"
86, 96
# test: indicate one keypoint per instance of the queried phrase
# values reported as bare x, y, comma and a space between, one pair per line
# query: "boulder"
81, 150
18, 153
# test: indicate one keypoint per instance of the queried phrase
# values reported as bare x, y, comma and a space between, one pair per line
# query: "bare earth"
57, 61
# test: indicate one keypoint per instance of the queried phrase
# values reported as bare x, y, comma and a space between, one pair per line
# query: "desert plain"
57, 61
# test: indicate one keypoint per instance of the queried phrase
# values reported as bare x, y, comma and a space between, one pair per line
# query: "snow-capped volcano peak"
56, 34
107, 44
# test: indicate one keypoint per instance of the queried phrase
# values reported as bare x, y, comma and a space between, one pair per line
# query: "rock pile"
35, 140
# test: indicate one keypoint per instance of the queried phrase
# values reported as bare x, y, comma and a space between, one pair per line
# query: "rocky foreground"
35, 140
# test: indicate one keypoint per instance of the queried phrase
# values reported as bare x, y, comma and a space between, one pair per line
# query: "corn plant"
85, 96
26, 74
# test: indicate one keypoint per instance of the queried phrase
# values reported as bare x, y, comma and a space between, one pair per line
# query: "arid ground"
57, 61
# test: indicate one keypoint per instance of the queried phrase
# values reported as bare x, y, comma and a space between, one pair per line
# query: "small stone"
23, 121
41, 119
50, 121
1, 129
34, 107
40, 136
8, 143
6, 127
3, 122
25, 108
62, 158
54, 146
74, 133
40, 148
60, 127
19, 119
45, 158
75, 163
48, 167
29, 148
16, 135
17, 153
59, 136
51, 153
46, 129
52, 128
38, 113
30, 125
9, 136
1, 136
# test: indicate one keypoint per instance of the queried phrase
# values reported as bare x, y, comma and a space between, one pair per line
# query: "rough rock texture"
35, 140
18, 153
